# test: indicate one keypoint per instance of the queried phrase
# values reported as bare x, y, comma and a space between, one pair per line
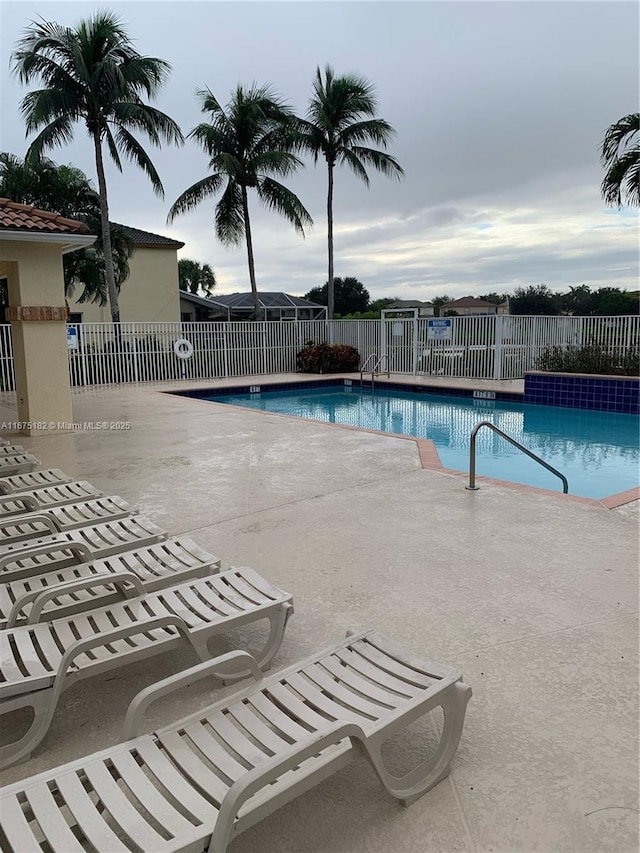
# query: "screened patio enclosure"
274, 306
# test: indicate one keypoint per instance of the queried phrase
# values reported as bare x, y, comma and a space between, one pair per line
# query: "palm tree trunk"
330, 293
106, 232
252, 269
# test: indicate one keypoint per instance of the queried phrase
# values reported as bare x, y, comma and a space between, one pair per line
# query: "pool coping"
427, 450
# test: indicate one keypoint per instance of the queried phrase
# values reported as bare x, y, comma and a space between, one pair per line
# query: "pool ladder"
375, 371
472, 456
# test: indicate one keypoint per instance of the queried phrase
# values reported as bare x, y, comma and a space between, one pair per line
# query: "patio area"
534, 597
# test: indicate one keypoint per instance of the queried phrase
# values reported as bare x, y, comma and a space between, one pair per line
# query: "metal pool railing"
472, 456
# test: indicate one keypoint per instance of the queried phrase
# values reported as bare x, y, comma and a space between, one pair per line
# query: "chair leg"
277, 626
43, 709
427, 774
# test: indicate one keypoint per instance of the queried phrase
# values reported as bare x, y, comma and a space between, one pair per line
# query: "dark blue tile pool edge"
600, 393
385, 385
610, 394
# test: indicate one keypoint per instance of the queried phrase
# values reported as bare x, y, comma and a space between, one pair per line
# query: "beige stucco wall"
35, 275
149, 295
187, 308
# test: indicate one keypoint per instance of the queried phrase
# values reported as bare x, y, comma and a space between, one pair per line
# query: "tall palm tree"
67, 191
92, 73
340, 118
247, 143
194, 277
620, 155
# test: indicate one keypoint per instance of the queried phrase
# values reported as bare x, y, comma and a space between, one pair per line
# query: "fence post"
134, 351
415, 343
497, 349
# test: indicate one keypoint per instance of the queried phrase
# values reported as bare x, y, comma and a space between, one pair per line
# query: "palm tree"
194, 277
620, 155
341, 116
92, 73
67, 191
247, 143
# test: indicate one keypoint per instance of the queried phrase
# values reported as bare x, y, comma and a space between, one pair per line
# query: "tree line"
352, 300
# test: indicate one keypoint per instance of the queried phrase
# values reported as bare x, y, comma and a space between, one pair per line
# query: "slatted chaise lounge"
61, 519
19, 464
199, 783
26, 482
57, 594
39, 661
49, 553
11, 450
51, 496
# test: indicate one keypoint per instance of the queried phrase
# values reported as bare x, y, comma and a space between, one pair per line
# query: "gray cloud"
499, 109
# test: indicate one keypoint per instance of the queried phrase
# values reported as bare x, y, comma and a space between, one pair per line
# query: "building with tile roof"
150, 294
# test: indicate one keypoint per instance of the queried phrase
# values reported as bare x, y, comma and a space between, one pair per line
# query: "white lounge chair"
21, 528
48, 596
49, 553
11, 450
19, 464
40, 660
199, 783
26, 482
42, 499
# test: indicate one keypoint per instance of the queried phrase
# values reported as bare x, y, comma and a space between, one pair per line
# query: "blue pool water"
598, 452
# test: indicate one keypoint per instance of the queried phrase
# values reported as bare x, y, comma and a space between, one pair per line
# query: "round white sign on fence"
183, 348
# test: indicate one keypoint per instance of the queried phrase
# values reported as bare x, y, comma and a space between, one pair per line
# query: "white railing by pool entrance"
480, 347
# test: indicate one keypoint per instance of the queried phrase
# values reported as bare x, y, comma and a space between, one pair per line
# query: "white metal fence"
480, 347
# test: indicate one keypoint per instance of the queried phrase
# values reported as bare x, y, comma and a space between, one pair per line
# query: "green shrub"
327, 358
590, 359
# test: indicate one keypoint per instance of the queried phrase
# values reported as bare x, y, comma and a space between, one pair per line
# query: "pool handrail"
376, 366
472, 457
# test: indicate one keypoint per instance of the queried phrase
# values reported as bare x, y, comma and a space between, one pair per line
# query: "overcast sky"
499, 109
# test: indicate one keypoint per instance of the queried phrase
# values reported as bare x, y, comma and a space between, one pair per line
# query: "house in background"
425, 309
239, 306
150, 294
471, 305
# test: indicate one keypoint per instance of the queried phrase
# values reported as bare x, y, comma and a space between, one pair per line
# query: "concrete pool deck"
535, 598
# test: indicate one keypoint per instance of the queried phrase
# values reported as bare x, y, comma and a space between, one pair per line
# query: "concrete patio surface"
534, 597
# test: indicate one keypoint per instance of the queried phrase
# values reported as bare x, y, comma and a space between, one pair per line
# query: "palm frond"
380, 161
276, 196
58, 132
229, 217
346, 155
620, 154
374, 130
195, 194
213, 138
622, 178
136, 153
113, 149
41, 106
276, 163
154, 123
619, 135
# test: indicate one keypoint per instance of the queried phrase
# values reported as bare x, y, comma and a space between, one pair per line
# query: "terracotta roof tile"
23, 217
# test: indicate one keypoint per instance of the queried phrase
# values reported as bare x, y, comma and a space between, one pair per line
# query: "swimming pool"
598, 452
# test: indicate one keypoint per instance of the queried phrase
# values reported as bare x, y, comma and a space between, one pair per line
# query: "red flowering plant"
327, 358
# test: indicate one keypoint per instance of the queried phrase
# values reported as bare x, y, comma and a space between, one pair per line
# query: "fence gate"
399, 340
